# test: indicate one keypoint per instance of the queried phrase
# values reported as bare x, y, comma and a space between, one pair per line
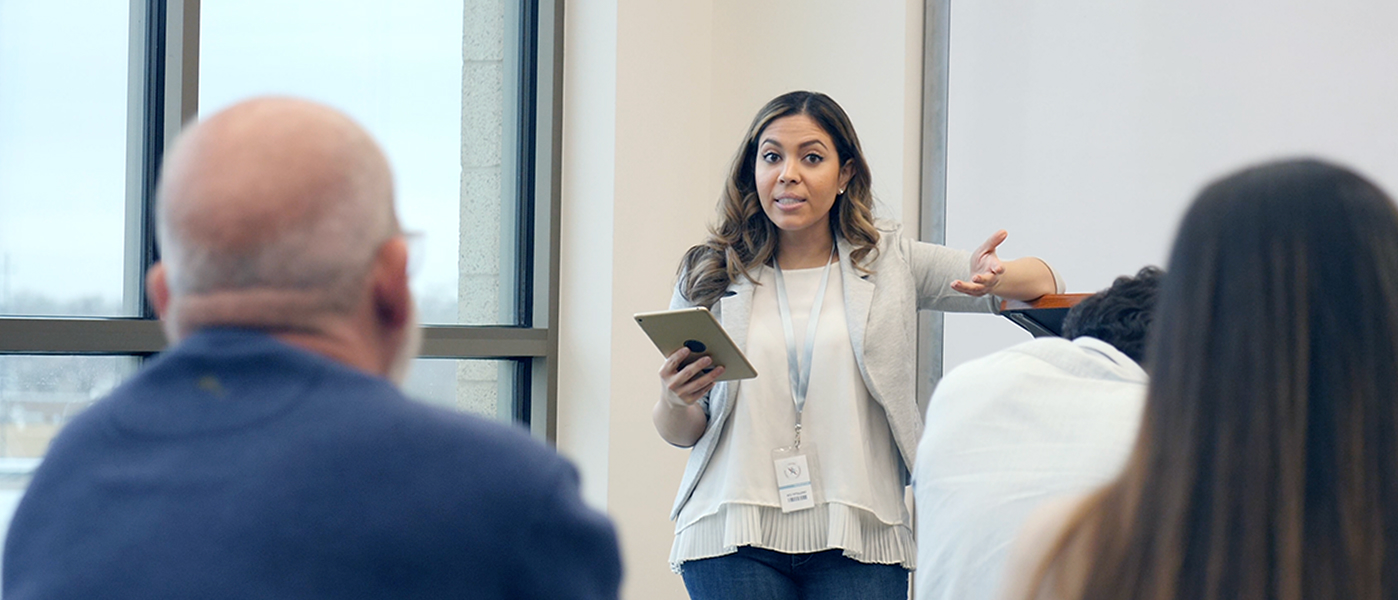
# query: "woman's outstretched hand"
986, 268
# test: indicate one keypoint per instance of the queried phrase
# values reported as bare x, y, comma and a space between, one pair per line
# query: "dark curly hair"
1120, 314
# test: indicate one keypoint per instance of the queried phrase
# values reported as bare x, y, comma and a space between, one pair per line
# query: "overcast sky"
396, 67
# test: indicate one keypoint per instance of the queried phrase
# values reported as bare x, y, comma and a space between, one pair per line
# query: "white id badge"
795, 473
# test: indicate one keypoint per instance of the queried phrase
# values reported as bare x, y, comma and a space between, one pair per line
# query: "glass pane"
483, 387
63, 79
428, 78
38, 396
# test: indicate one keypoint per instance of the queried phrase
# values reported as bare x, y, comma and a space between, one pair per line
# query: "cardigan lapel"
859, 296
735, 312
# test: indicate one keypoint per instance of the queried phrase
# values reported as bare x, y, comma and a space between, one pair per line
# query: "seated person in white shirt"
1034, 422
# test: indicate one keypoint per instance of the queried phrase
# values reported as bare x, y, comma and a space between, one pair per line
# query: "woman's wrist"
681, 424
673, 402
1025, 279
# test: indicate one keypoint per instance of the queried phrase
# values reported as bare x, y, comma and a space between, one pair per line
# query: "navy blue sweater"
236, 466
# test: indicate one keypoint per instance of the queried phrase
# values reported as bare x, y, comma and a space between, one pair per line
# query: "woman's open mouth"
788, 202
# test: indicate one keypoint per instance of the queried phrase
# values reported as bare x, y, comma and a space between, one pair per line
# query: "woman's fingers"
699, 386
693, 370
970, 289
673, 361
993, 242
675, 381
690, 382
986, 267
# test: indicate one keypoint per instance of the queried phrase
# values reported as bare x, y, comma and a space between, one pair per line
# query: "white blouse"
858, 479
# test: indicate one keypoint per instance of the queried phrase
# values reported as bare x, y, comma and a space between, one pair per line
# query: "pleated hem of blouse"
858, 532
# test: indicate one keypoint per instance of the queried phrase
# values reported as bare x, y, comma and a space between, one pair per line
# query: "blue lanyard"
797, 369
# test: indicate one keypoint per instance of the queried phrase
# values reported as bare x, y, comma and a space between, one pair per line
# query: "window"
63, 160
462, 95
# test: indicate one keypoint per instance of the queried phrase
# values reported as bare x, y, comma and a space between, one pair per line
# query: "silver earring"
842, 190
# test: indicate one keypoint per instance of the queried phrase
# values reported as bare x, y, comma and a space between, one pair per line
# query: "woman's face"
798, 173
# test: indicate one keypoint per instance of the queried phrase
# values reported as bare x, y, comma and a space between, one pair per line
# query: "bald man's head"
272, 193
277, 214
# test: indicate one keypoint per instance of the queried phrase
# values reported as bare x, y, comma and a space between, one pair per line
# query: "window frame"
932, 219
163, 93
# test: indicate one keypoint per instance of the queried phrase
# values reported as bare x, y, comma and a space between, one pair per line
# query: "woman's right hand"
683, 386
676, 416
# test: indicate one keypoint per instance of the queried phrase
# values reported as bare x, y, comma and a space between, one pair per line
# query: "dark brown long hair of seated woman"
1267, 464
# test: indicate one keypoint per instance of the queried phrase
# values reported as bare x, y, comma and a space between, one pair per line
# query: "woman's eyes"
772, 157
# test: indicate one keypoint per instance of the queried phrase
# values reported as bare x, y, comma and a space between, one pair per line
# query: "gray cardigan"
881, 307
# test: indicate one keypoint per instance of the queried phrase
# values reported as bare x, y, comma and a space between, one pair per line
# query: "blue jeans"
759, 574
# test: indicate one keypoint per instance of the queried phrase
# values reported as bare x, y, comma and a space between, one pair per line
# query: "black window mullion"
153, 143
523, 392
524, 175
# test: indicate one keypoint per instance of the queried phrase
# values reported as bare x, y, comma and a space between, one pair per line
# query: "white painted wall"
865, 55
1085, 127
656, 98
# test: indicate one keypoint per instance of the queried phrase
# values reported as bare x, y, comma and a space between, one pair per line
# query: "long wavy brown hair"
745, 237
1267, 465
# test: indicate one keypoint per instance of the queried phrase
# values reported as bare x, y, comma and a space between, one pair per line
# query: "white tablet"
697, 329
